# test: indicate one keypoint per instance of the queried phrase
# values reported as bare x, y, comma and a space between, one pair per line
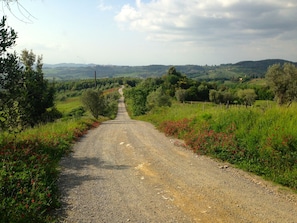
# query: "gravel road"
127, 171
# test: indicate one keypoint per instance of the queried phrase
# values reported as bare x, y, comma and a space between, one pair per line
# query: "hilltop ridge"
253, 69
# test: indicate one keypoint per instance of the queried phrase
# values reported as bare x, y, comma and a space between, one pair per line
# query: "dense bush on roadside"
29, 169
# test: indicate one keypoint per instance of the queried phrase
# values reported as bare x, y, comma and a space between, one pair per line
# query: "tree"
137, 97
181, 95
25, 95
247, 96
93, 100
283, 81
224, 97
38, 96
10, 79
158, 98
171, 80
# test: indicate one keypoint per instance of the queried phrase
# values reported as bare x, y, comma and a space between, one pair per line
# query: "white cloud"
103, 7
216, 21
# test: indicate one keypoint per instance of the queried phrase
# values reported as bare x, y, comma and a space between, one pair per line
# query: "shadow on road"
73, 176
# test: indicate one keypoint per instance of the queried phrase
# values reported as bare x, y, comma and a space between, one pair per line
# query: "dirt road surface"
127, 171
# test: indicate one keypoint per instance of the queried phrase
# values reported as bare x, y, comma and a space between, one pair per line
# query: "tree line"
281, 85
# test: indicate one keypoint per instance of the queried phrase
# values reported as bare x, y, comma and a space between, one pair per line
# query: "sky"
145, 32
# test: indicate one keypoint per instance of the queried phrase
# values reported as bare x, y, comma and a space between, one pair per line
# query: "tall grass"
260, 139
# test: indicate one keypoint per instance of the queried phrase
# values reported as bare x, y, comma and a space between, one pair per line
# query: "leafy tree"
25, 95
10, 79
283, 81
192, 93
181, 95
224, 97
158, 98
215, 96
137, 98
111, 104
203, 92
171, 80
247, 96
38, 96
93, 100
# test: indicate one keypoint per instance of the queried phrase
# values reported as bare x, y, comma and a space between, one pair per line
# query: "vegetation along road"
127, 171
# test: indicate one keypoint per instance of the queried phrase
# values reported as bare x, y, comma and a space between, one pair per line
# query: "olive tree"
94, 101
181, 95
283, 82
247, 96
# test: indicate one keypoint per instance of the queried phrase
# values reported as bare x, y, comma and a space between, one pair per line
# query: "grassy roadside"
261, 139
29, 169
29, 163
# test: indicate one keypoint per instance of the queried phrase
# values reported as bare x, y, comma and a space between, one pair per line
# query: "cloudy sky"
144, 32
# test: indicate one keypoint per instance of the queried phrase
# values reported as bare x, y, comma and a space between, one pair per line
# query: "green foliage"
68, 104
29, 169
180, 95
10, 80
136, 100
247, 96
24, 95
158, 98
258, 139
93, 100
172, 80
37, 95
111, 102
224, 97
77, 112
283, 81
78, 85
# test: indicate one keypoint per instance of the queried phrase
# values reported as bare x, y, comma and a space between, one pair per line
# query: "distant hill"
253, 69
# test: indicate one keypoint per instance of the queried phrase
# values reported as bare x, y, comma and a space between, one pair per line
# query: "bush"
77, 112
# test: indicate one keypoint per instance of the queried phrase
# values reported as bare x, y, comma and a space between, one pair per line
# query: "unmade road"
127, 171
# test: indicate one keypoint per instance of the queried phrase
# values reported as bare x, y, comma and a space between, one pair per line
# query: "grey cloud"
235, 22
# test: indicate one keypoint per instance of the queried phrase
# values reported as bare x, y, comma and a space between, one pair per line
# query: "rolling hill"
250, 69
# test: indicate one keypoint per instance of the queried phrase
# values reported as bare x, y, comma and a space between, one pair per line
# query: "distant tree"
192, 93
283, 81
247, 96
137, 97
224, 97
158, 98
216, 96
171, 80
203, 92
181, 95
93, 100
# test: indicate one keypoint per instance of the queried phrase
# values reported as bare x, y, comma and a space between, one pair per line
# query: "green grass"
29, 169
69, 104
260, 139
